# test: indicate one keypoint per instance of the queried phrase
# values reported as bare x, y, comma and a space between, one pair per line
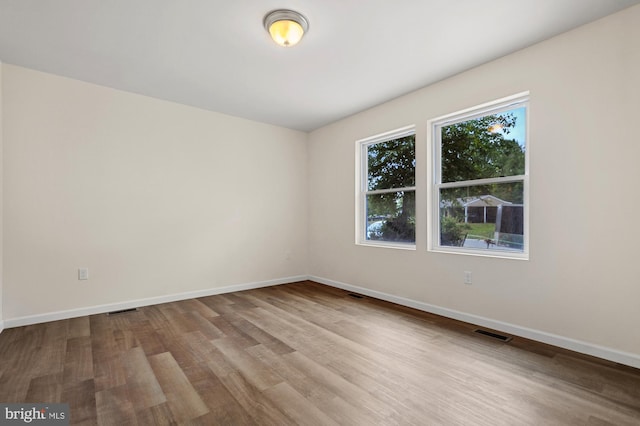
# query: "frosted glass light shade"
286, 27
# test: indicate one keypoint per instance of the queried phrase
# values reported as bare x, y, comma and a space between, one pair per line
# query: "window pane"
483, 217
391, 164
392, 217
485, 147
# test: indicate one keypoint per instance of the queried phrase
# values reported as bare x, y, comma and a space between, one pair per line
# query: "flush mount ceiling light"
286, 26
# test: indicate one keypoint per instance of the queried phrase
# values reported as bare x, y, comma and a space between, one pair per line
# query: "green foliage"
391, 164
398, 229
475, 149
452, 231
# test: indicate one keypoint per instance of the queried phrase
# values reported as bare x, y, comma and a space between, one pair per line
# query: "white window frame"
434, 183
362, 189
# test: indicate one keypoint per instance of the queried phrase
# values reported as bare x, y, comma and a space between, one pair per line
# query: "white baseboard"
620, 357
100, 309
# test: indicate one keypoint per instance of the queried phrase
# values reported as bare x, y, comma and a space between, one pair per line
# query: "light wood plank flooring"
305, 354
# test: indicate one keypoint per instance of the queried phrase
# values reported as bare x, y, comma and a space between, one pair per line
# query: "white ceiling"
216, 55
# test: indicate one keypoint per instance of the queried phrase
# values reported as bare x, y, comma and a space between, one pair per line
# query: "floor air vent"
123, 311
356, 296
496, 336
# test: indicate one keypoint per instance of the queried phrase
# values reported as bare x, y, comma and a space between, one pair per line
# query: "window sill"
498, 254
383, 244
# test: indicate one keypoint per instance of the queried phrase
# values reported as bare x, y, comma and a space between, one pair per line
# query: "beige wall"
155, 198
581, 282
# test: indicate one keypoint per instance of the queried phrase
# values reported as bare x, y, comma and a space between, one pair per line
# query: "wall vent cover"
496, 336
122, 311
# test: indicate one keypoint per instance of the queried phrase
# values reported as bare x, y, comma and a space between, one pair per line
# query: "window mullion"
390, 190
487, 181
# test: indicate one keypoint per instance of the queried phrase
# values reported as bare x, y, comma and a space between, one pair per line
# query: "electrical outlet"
83, 273
467, 277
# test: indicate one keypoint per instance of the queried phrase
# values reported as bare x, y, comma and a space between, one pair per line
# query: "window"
480, 180
386, 189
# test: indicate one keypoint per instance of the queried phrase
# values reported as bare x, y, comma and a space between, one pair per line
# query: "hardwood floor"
307, 354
